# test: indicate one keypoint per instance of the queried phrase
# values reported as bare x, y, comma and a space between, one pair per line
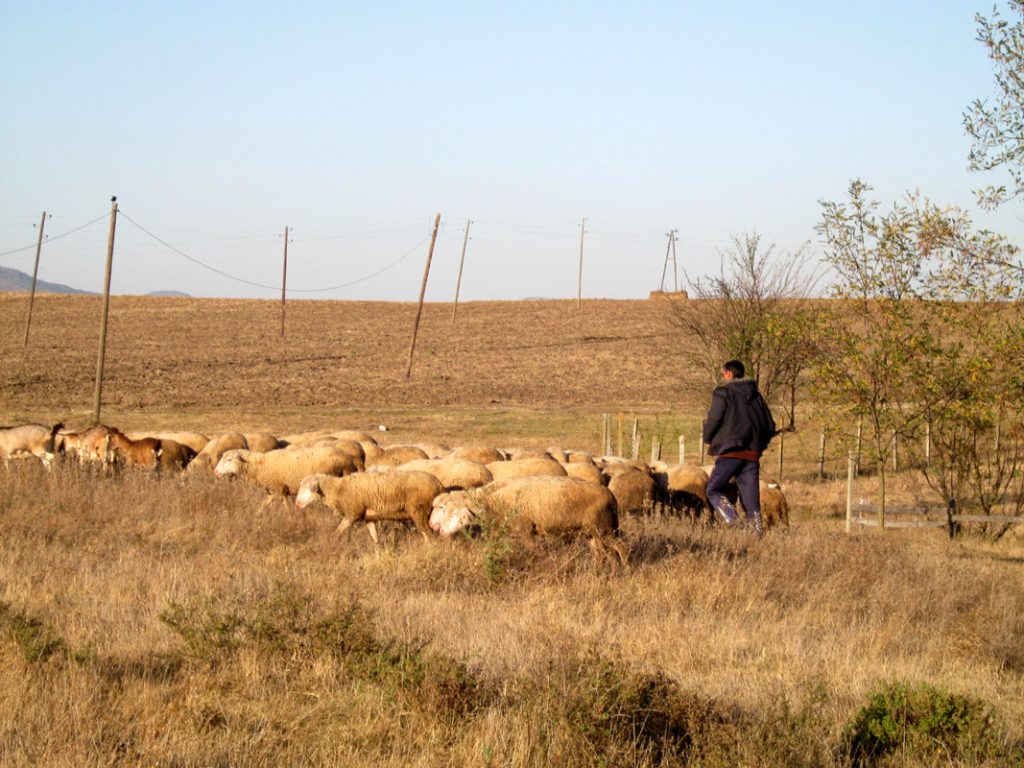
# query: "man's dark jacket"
732, 424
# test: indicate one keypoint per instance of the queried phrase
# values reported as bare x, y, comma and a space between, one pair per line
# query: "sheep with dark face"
372, 496
682, 486
537, 505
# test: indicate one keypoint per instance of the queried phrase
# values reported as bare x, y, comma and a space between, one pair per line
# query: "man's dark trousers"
748, 475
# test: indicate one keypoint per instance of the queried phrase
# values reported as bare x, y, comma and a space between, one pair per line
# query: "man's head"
733, 369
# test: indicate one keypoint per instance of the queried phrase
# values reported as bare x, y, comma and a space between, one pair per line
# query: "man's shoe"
726, 514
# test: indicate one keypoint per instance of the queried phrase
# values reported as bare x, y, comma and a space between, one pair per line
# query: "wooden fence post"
782, 453
604, 435
860, 432
702, 442
821, 456
682, 449
636, 439
622, 430
655, 448
850, 466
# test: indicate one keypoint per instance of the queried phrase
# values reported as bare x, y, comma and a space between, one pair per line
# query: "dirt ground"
210, 363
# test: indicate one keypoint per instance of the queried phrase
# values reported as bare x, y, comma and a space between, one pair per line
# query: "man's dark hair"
735, 367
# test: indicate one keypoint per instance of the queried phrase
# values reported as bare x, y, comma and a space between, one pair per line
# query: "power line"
58, 237
262, 285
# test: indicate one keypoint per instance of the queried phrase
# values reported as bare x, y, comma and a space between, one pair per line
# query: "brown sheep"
633, 490
173, 455
396, 455
144, 452
369, 497
194, 440
552, 506
579, 457
281, 472
545, 466
452, 473
94, 444
29, 440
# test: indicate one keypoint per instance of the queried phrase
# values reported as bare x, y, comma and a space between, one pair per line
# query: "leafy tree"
756, 309
997, 127
927, 335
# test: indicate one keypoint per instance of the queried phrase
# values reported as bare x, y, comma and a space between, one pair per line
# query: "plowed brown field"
215, 364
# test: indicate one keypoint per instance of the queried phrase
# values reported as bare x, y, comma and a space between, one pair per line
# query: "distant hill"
15, 280
180, 294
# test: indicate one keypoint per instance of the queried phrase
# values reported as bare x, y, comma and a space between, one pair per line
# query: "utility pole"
284, 279
579, 288
105, 313
423, 290
462, 260
35, 273
670, 249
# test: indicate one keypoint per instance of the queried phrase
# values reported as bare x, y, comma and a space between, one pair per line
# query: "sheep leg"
371, 528
343, 526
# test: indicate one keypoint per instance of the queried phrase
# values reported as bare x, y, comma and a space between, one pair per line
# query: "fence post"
622, 429
604, 435
636, 439
850, 465
860, 433
655, 448
821, 456
782, 451
950, 512
682, 449
702, 442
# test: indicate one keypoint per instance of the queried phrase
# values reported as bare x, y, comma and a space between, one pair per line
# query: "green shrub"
920, 722
35, 638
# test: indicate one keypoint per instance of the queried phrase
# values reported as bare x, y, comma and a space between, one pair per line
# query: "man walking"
737, 431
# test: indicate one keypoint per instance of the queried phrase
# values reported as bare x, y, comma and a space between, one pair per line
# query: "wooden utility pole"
579, 287
101, 359
462, 260
670, 249
423, 290
284, 279
35, 273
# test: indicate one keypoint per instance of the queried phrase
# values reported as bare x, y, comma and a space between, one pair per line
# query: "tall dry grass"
159, 621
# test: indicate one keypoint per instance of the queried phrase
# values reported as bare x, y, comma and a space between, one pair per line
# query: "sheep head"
230, 463
452, 512
309, 491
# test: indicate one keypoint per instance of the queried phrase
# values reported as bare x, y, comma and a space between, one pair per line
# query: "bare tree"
757, 309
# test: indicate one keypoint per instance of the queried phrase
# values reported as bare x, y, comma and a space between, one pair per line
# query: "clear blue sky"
218, 124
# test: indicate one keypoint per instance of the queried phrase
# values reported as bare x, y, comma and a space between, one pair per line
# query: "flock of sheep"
440, 490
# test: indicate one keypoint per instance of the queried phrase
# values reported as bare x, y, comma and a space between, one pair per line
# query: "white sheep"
281, 472
29, 440
528, 467
538, 505
369, 497
452, 473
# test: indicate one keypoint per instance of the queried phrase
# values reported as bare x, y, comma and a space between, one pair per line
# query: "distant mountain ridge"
15, 280
12, 280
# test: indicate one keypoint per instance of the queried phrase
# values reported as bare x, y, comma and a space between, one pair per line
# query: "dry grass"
153, 621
